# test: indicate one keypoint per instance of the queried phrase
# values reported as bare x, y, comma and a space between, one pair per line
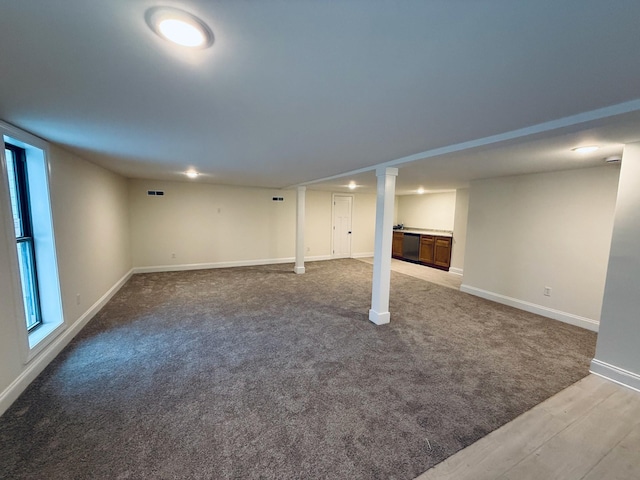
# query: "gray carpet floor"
256, 372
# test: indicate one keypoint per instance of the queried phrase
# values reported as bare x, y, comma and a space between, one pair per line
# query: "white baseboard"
565, 317
455, 271
234, 263
362, 255
36, 365
615, 374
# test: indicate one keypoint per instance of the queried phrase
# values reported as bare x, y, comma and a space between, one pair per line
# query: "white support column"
379, 312
300, 196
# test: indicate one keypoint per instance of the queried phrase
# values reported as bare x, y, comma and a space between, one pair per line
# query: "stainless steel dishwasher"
411, 246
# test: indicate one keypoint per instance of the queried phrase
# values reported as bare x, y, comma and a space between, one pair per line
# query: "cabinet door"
426, 248
442, 252
396, 245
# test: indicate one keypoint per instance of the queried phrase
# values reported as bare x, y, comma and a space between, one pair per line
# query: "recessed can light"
191, 174
420, 191
585, 149
352, 185
179, 27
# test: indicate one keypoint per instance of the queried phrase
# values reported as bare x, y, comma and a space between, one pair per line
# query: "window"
22, 223
27, 220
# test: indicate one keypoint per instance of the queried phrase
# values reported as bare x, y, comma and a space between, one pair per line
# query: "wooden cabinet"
442, 252
435, 251
426, 248
396, 245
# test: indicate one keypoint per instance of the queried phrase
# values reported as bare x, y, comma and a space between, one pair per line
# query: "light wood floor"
433, 275
588, 431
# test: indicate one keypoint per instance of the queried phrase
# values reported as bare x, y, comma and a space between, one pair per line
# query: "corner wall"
618, 348
208, 226
554, 229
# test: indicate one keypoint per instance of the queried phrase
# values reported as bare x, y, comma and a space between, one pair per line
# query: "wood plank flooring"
588, 431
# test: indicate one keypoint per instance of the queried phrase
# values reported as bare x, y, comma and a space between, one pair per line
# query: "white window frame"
39, 171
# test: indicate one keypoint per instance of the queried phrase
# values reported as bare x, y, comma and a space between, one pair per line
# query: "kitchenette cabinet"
435, 250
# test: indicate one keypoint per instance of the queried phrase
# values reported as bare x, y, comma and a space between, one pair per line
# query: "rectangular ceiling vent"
278, 199
155, 193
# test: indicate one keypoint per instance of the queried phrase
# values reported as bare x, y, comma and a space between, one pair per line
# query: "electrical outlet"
78, 299
173, 255
547, 291
308, 249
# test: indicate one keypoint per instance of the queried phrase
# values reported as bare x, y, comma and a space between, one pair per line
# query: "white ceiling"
296, 91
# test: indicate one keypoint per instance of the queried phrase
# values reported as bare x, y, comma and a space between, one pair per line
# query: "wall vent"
278, 199
154, 193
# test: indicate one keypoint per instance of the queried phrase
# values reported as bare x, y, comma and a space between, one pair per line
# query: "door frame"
333, 224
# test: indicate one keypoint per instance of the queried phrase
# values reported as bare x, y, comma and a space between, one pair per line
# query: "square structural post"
379, 312
300, 217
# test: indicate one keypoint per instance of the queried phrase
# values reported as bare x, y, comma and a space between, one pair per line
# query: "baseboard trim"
234, 263
362, 255
615, 374
455, 271
36, 365
565, 317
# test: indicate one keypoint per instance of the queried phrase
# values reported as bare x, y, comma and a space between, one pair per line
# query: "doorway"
342, 209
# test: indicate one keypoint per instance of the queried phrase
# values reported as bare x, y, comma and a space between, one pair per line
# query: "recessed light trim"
585, 149
352, 185
420, 191
179, 27
191, 174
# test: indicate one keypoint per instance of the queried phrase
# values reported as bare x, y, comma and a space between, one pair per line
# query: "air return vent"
155, 193
278, 199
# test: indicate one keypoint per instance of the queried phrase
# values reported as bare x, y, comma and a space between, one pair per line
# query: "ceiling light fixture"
586, 149
191, 174
352, 185
613, 159
420, 191
179, 27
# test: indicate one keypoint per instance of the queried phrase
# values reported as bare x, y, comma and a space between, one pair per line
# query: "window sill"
43, 336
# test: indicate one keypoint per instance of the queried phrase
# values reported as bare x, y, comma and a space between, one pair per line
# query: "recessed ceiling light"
420, 191
352, 185
585, 149
613, 159
179, 27
191, 174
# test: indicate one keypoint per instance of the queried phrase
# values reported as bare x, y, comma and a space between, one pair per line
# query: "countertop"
438, 233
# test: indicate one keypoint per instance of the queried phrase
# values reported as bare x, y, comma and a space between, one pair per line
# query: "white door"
342, 225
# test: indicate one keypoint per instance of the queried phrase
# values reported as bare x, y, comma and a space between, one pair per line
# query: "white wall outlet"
173, 255
78, 299
547, 291
308, 249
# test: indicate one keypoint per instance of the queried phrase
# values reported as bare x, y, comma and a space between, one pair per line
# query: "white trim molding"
230, 264
615, 374
362, 255
36, 365
565, 317
455, 271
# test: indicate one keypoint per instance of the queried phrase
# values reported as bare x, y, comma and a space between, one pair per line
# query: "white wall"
90, 215
431, 210
618, 348
213, 225
550, 229
460, 230
364, 225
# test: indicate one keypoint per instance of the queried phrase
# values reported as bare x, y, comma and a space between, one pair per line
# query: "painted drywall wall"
212, 225
460, 230
90, 215
618, 348
550, 229
363, 225
431, 210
